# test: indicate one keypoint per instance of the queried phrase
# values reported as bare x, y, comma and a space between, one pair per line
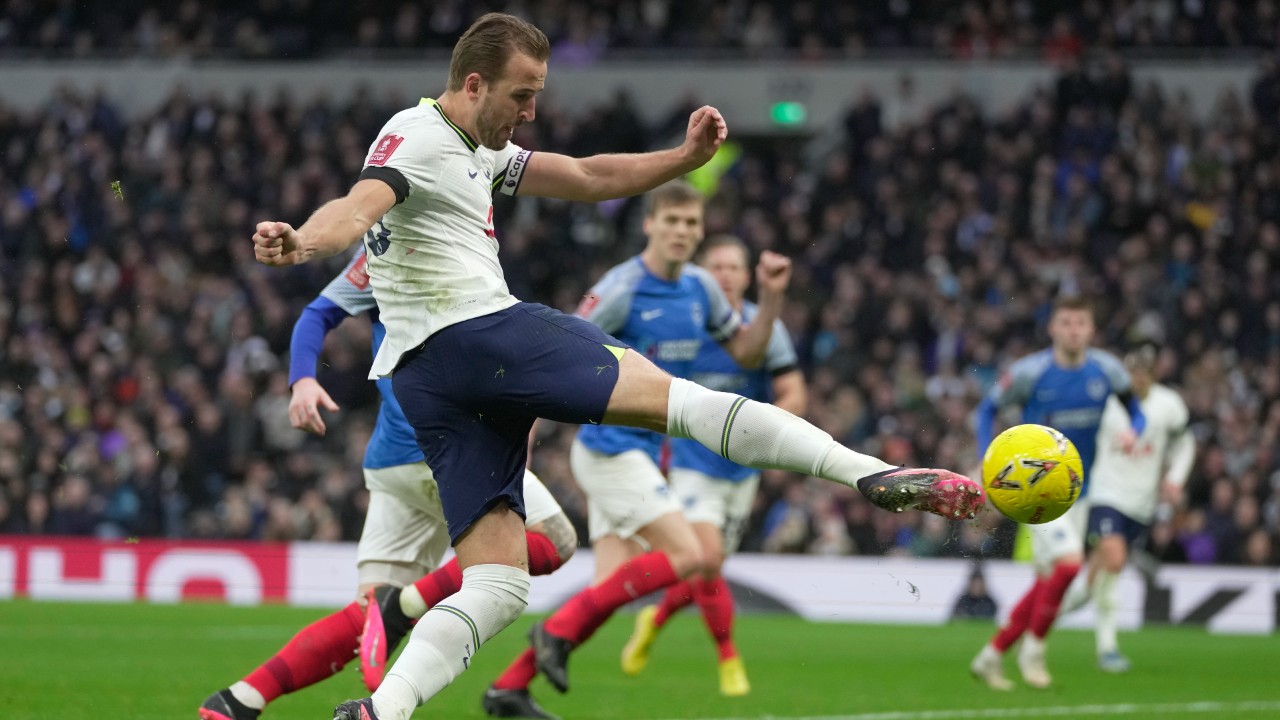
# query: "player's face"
1142, 379
509, 102
675, 231
728, 265
1071, 330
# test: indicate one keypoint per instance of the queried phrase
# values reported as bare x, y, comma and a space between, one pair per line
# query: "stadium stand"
143, 386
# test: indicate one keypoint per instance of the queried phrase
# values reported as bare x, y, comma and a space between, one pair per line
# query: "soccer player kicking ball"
1129, 481
1065, 387
661, 305
473, 367
404, 531
716, 494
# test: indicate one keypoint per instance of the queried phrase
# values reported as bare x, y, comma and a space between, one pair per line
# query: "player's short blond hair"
675, 192
1073, 302
488, 44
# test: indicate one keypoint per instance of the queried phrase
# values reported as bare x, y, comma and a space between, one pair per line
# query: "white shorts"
1059, 538
405, 535
625, 492
723, 503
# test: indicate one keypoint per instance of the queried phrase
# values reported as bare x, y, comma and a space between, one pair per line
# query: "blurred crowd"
583, 30
143, 354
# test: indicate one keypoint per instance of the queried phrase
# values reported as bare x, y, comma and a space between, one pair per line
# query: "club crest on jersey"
383, 150
695, 312
1096, 388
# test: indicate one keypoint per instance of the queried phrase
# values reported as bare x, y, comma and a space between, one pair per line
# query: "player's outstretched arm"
333, 228
308, 396
604, 177
747, 346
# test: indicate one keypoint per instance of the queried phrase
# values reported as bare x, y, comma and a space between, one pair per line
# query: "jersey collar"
466, 139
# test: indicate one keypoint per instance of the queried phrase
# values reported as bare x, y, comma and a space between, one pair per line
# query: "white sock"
1105, 628
762, 436
442, 643
1032, 646
249, 695
989, 653
1078, 593
412, 604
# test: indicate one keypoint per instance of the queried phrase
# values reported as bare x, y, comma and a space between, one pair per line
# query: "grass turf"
72, 661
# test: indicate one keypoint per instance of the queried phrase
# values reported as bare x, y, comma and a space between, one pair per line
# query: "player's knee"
1113, 553
687, 559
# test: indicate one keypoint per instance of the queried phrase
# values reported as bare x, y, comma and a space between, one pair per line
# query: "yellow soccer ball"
1032, 473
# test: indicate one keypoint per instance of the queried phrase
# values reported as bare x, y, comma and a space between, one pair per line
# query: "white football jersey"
433, 258
1130, 481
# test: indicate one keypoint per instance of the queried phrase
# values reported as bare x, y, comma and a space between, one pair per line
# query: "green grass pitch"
146, 662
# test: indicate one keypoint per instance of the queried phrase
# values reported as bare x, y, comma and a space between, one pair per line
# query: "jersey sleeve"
512, 162
1181, 453
350, 290
1114, 370
722, 319
1014, 386
780, 355
608, 303
401, 156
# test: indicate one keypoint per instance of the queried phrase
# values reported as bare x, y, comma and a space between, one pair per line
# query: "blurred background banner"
873, 590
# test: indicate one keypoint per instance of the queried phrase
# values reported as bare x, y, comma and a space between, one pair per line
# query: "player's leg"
1058, 549
478, 454
717, 510
395, 547
549, 537
628, 496
762, 436
1115, 532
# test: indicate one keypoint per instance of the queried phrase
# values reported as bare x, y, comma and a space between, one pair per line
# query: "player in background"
667, 309
473, 367
1128, 484
404, 531
717, 494
1065, 387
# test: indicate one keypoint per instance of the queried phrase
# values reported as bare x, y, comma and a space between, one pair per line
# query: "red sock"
587, 611
1019, 618
543, 557
676, 598
716, 601
316, 652
1046, 609
436, 586
442, 583
519, 673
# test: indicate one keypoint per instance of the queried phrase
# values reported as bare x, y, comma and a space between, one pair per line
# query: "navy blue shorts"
474, 389
1105, 521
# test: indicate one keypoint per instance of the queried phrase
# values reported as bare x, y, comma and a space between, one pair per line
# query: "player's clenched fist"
277, 244
773, 272
707, 129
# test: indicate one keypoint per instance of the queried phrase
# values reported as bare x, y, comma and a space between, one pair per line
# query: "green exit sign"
788, 113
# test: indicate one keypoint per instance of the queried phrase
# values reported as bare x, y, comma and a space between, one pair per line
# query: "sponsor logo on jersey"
358, 274
384, 149
675, 350
648, 315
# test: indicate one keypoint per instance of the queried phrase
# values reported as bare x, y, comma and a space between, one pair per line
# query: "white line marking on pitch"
1034, 712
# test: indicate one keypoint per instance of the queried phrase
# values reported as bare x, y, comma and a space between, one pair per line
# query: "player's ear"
471, 84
